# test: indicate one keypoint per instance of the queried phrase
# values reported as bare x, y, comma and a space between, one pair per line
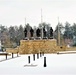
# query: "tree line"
67, 31
11, 36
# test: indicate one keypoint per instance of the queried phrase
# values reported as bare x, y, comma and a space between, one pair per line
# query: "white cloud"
13, 12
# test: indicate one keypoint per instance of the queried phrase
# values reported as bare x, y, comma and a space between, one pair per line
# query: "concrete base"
36, 46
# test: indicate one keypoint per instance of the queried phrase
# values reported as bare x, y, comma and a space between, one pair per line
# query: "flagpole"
41, 23
25, 21
58, 33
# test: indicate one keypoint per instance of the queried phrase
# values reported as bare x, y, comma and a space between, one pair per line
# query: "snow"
57, 64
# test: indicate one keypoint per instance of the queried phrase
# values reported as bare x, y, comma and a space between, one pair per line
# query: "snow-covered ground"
57, 64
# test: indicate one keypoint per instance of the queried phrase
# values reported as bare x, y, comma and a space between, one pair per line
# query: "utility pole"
58, 33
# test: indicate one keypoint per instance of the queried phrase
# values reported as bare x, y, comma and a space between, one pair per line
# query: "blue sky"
14, 12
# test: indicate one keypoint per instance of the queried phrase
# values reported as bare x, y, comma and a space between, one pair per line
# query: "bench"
4, 53
13, 54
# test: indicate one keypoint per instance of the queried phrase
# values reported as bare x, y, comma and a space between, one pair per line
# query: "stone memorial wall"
36, 46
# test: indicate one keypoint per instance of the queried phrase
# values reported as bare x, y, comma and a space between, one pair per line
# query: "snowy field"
57, 64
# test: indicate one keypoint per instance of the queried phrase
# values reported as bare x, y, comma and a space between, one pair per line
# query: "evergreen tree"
20, 34
68, 31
